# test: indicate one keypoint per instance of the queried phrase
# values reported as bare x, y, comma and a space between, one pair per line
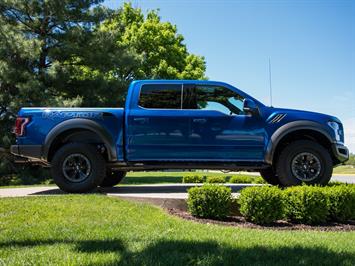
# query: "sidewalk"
162, 191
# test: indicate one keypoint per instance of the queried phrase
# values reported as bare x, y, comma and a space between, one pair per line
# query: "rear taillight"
20, 125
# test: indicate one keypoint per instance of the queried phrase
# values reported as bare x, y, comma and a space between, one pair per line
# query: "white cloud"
349, 128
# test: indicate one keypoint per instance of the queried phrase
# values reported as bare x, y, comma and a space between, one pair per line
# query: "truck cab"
180, 124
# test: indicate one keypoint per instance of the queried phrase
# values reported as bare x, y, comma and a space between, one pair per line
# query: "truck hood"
301, 114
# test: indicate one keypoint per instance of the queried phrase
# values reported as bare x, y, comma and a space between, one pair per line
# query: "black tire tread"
285, 176
98, 168
269, 175
112, 178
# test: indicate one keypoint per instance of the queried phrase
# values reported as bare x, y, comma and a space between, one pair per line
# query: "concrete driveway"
167, 191
178, 191
344, 178
163, 195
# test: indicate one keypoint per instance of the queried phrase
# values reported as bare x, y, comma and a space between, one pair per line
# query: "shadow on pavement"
140, 189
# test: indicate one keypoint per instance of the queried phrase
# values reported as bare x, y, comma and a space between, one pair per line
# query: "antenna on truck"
270, 87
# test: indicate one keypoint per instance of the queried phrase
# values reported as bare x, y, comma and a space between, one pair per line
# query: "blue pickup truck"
180, 124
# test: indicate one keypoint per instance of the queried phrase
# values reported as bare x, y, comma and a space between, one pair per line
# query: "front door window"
213, 98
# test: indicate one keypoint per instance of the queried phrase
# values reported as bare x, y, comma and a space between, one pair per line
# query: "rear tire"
304, 161
269, 175
78, 167
112, 178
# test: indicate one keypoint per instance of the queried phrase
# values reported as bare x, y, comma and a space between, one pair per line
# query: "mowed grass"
137, 178
99, 230
142, 178
344, 169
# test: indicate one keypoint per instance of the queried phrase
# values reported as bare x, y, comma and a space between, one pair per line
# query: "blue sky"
311, 45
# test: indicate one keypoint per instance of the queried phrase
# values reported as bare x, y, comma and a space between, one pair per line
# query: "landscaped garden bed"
240, 221
302, 207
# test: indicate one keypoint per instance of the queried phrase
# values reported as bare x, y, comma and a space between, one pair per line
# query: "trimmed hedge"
246, 179
262, 205
216, 179
335, 183
209, 201
306, 204
259, 180
267, 204
236, 179
341, 202
193, 179
241, 179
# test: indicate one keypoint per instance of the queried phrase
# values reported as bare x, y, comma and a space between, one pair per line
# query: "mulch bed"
238, 221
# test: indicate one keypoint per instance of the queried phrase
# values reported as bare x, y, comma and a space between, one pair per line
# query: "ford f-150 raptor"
180, 124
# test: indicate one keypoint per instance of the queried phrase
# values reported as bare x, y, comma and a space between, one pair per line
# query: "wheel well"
78, 136
303, 134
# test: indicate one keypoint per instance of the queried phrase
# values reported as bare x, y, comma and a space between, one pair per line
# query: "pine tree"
79, 53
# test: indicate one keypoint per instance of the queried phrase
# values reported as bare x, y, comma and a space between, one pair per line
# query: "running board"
142, 166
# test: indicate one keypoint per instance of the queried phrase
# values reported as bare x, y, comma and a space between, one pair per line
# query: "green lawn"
344, 169
137, 178
141, 178
98, 230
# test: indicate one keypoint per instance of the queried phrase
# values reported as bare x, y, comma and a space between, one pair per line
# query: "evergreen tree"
79, 53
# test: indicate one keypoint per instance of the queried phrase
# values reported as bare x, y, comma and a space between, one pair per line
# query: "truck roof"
183, 81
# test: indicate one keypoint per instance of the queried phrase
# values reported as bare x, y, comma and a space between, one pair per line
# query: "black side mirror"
250, 107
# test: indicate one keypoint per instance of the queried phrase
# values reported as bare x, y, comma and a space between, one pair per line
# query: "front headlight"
337, 130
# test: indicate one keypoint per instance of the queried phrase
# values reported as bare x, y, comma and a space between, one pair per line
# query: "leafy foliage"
241, 179
341, 202
259, 180
246, 179
193, 179
209, 201
79, 53
160, 49
216, 179
306, 204
262, 205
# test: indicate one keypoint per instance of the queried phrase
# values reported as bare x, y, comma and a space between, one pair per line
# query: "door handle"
199, 120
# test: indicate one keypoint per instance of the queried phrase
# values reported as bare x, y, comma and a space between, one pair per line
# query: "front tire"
78, 167
112, 178
304, 161
269, 175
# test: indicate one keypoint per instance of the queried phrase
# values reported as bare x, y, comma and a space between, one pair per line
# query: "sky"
311, 46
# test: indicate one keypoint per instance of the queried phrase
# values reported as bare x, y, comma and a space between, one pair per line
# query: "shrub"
259, 180
341, 202
27, 175
246, 179
240, 179
209, 201
262, 205
306, 204
335, 183
193, 179
216, 179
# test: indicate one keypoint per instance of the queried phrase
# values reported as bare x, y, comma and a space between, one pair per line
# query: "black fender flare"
289, 128
81, 123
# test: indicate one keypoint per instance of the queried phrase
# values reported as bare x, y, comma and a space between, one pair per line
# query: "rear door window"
161, 96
